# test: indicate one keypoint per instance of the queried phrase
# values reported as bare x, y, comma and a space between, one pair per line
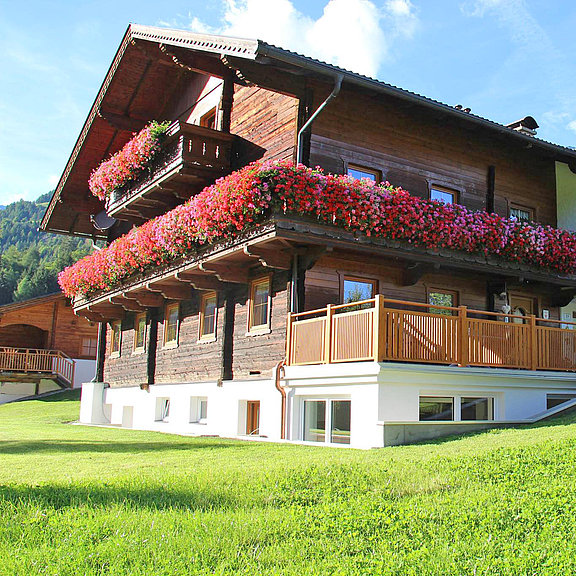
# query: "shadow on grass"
106, 446
58, 497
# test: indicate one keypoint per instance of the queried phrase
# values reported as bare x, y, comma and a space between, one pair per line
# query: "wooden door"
253, 418
522, 306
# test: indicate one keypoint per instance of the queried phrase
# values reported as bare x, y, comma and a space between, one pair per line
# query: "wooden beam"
149, 299
170, 291
122, 121
236, 273
200, 281
270, 258
126, 303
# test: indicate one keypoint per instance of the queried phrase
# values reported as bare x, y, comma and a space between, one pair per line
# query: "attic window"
444, 195
360, 172
209, 119
521, 213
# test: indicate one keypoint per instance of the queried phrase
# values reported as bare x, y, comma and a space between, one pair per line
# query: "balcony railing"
381, 329
35, 361
191, 158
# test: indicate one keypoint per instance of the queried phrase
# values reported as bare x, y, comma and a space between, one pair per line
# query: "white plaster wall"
136, 408
565, 196
84, 371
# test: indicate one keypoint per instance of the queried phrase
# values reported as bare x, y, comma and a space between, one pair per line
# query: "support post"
464, 340
378, 328
289, 339
328, 334
533, 343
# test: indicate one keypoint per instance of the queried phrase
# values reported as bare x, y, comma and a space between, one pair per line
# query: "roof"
12, 306
119, 97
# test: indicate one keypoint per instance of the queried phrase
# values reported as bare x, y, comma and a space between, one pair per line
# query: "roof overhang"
151, 62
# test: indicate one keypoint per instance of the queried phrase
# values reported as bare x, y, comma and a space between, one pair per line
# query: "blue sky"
503, 58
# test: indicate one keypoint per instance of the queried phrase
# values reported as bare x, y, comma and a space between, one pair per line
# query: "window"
521, 213
553, 400
198, 410
441, 297
259, 305
209, 119
356, 289
208, 312
321, 416
477, 409
171, 325
444, 195
116, 338
360, 172
89, 347
432, 408
140, 332
162, 409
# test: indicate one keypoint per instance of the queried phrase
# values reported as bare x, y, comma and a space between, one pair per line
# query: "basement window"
198, 410
162, 409
327, 421
433, 408
553, 400
477, 409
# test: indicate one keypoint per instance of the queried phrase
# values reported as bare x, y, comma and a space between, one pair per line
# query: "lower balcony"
382, 330
31, 364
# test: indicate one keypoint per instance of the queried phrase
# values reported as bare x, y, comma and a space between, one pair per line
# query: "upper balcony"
192, 157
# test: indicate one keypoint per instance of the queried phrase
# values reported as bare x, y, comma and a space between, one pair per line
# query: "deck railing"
37, 361
383, 329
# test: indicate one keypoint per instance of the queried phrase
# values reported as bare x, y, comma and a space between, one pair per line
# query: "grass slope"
78, 500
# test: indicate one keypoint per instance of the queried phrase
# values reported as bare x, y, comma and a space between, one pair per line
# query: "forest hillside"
31, 260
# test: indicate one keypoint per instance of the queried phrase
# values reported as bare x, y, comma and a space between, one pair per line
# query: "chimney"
525, 126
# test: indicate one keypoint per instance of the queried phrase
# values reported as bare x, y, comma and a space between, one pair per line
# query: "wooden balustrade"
382, 329
37, 361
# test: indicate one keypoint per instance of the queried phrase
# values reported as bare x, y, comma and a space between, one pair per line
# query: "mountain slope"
30, 260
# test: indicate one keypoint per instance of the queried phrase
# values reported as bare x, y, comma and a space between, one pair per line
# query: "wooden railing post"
464, 340
328, 334
289, 339
378, 324
533, 343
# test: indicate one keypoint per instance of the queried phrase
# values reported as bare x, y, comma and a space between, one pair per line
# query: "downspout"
333, 94
277, 377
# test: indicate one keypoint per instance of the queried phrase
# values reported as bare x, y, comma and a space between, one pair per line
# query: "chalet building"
44, 347
296, 327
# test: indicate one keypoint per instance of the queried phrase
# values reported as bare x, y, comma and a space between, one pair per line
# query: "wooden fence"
382, 329
37, 361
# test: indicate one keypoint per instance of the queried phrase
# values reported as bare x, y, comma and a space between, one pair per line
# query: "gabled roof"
156, 58
12, 306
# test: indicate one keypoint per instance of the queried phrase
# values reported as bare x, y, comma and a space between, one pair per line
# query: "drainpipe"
333, 94
277, 377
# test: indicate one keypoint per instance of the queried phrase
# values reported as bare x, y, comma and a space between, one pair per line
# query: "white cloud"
354, 34
572, 126
53, 180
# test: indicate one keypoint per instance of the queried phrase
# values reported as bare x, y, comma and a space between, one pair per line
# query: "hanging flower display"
128, 162
248, 196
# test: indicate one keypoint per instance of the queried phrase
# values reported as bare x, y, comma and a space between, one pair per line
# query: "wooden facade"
48, 323
260, 101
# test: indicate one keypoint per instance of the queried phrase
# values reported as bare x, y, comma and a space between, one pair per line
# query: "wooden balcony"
394, 330
191, 158
17, 364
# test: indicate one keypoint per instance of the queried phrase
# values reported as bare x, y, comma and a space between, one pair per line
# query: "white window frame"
457, 404
328, 419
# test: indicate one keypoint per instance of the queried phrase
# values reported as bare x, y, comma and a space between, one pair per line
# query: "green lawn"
77, 500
